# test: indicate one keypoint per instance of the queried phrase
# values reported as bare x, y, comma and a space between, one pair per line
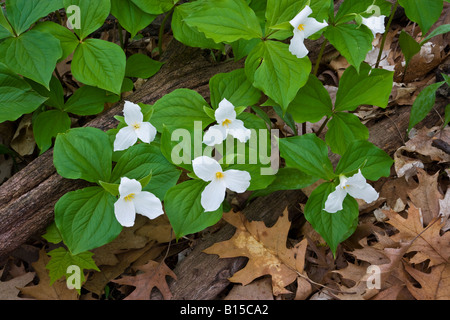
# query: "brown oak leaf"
434, 285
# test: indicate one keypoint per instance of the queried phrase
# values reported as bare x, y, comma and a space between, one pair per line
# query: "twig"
388, 26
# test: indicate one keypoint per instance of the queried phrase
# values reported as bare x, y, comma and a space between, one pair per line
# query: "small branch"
388, 26
161, 31
319, 58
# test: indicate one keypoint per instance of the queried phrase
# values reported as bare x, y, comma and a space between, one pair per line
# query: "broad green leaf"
312, 102
350, 8
352, 42
23, 13
142, 159
186, 34
184, 210
373, 162
179, 109
112, 188
307, 153
225, 20
234, 87
370, 86
5, 27
47, 125
87, 101
86, 219
155, 6
279, 11
423, 104
424, 12
343, 129
447, 116
99, 63
286, 179
33, 54
83, 153
130, 16
55, 95
333, 227
93, 14
439, 30
409, 46
242, 48
16, 96
274, 70
320, 9
141, 66
52, 234
67, 39
61, 260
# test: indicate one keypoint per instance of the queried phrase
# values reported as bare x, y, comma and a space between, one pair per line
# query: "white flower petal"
146, 132
125, 138
312, 26
366, 193
297, 47
225, 111
301, 17
237, 130
132, 113
357, 180
213, 195
335, 200
206, 168
148, 204
129, 186
214, 135
375, 24
237, 180
125, 212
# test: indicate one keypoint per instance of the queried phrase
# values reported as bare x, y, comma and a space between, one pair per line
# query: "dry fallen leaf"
433, 286
260, 289
9, 290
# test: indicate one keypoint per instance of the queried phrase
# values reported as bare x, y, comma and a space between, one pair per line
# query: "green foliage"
424, 12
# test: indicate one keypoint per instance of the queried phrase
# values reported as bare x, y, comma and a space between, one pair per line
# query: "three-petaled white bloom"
304, 27
356, 186
375, 24
136, 128
227, 124
209, 170
133, 200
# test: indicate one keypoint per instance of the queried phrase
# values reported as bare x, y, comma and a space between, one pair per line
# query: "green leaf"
258, 180
333, 227
409, 46
93, 14
352, 42
87, 101
186, 34
55, 95
274, 70
33, 54
16, 96
86, 219
311, 103
424, 12
130, 16
99, 63
142, 159
23, 13
67, 39
234, 87
141, 66
5, 27
309, 154
83, 153
343, 129
349, 8
280, 11
242, 48
439, 30
52, 234
373, 162
237, 20
423, 104
47, 125
184, 210
112, 188
179, 109
447, 116
370, 86
155, 6
61, 260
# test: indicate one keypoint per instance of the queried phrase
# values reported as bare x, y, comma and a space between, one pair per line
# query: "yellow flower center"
219, 175
226, 123
301, 27
136, 126
129, 197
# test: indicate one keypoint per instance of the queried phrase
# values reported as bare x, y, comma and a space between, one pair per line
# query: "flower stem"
161, 31
319, 58
323, 126
388, 26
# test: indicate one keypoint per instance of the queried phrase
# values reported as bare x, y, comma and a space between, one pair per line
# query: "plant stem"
388, 26
319, 58
323, 126
119, 28
161, 31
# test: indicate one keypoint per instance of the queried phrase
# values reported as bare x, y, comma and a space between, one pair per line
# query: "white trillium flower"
356, 186
209, 170
227, 124
304, 27
136, 128
133, 200
375, 24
